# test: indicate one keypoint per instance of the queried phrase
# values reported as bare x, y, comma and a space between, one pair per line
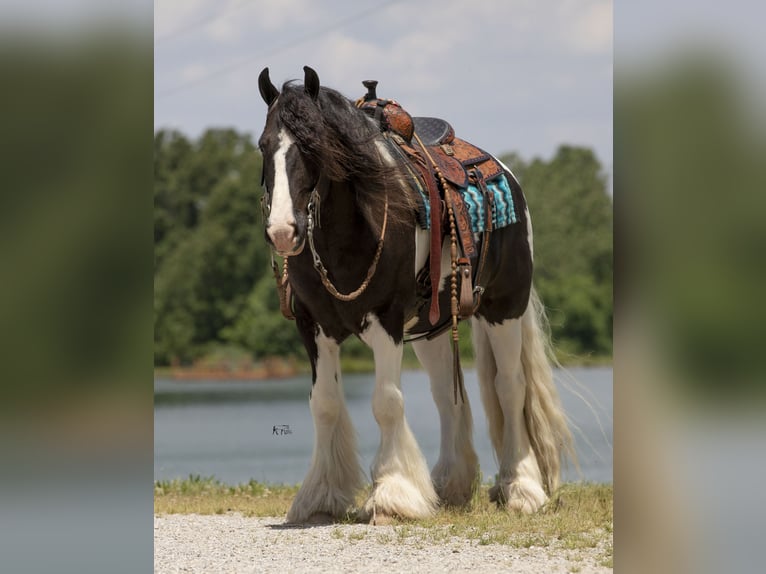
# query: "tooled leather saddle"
435, 157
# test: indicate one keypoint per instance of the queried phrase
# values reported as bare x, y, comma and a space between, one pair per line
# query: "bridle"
312, 219
284, 290
312, 222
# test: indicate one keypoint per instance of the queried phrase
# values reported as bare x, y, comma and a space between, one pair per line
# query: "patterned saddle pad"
504, 212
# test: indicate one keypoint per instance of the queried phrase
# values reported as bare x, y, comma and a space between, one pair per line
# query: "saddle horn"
269, 92
311, 82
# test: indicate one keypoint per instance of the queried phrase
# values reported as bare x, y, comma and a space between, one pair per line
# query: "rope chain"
322, 270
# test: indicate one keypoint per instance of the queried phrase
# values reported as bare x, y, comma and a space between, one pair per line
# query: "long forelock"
330, 131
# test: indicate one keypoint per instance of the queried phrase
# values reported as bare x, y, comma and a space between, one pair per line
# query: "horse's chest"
337, 318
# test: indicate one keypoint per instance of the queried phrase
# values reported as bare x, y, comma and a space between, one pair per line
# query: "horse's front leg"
401, 483
335, 474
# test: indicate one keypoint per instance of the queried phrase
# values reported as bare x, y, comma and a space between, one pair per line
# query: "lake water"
226, 429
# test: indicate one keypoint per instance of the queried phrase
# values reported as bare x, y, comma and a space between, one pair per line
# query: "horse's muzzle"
285, 240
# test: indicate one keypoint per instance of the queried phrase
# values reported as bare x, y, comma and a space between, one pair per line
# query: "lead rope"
284, 290
457, 372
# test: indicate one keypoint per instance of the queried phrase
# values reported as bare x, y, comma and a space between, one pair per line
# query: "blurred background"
76, 289
690, 141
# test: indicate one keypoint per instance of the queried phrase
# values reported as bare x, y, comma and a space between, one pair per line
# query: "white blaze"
281, 203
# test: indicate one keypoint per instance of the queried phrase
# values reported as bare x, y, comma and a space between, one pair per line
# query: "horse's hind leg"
455, 471
335, 475
401, 483
503, 386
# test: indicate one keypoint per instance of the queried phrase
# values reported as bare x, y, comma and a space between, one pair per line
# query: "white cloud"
278, 14
224, 30
193, 72
503, 72
349, 56
171, 16
227, 22
590, 26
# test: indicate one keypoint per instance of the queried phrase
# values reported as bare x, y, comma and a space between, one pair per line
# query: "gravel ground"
234, 543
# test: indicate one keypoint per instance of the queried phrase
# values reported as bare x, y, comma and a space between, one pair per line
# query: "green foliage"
213, 284
261, 327
209, 249
693, 145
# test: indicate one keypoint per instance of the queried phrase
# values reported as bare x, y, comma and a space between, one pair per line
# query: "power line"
276, 50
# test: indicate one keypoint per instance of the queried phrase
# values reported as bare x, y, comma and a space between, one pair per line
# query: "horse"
334, 181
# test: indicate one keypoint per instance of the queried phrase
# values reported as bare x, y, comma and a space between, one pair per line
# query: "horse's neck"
341, 214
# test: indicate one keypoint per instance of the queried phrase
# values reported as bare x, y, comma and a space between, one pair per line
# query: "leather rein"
313, 221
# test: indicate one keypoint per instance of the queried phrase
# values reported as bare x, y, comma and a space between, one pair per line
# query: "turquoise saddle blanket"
503, 214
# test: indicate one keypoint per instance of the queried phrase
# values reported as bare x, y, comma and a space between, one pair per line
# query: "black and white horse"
333, 182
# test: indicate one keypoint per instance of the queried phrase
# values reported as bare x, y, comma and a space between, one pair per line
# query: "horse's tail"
546, 423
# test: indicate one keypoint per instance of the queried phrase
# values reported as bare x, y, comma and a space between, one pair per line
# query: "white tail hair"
545, 419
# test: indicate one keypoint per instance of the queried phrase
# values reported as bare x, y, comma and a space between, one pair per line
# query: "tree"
213, 282
209, 249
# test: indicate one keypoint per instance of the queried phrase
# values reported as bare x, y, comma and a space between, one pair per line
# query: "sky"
509, 75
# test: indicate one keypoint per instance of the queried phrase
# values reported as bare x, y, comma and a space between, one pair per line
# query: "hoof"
400, 498
319, 518
454, 500
455, 483
521, 495
454, 495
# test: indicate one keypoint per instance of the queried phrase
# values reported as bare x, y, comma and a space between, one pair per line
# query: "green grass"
578, 516
206, 495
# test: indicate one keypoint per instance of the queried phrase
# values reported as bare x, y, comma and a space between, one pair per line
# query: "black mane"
341, 140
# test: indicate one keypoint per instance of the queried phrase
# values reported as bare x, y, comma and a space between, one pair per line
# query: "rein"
283, 280
312, 220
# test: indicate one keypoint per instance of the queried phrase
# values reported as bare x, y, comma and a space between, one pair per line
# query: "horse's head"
289, 175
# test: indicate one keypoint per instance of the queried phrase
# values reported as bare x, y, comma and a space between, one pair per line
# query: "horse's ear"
268, 91
311, 82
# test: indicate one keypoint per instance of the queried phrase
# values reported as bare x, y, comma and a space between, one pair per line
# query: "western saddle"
442, 165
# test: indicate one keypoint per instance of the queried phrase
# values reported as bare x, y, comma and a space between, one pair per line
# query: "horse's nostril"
283, 237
